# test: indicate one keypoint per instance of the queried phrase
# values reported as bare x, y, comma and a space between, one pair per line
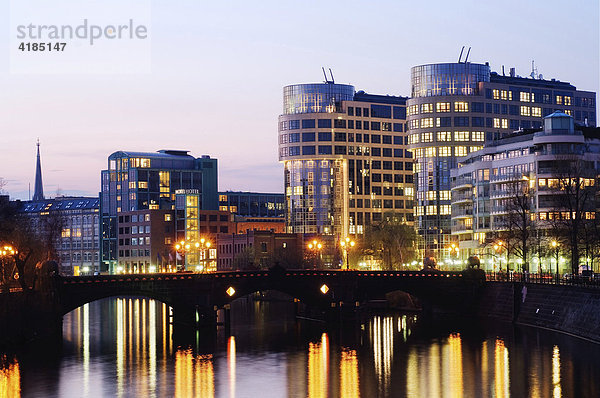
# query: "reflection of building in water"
382, 338
556, 391
10, 377
318, 367
194, 374
349, 379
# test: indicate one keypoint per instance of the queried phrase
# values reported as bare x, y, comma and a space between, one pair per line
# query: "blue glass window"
375, 126
294, 137
477, 107
376, 151
397, 153
350, 111
308, 150
382, 111
375, 138
444, 121
340, 150
294, 150
488, 108
397, 140
513, 109
387, 139
308, 137
340, 137
339, 123
376, 164
324, 123
398, 165
461, 121
387, 152
308, 123
325, 136
398, 127
324, 149
294, 124
477, 121
399, 112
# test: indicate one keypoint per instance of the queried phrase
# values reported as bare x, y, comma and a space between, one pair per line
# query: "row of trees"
572, 194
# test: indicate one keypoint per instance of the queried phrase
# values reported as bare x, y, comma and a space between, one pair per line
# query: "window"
308, 150
460, 151
477, 121
375, 126
461, 106
444, 151
427, 122
308, 137
413, 110
430, 152
308, 124
461, 121
536, 111
496, 94
442, 107
567, 100
426, 137
461, 136
524, 97
443, 121
496, 123
444, 136
324, 123
504, 123
478, 136
324, 149
525, 110
559, 100
426, 108
325, 136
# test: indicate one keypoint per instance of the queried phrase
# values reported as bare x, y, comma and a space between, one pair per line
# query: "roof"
165, 154
525, 81
361, 96
62, 203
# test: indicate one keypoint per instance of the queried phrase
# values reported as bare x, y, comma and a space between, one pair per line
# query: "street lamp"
555, 245
316, 247
347, 244
454, 250
498, 246
6, 252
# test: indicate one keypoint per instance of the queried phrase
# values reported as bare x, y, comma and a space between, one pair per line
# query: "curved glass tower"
345, 164
440, 132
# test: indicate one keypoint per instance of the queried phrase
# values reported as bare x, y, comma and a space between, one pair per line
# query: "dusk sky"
218, 68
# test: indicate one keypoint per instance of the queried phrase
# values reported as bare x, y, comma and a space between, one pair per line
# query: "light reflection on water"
127, 347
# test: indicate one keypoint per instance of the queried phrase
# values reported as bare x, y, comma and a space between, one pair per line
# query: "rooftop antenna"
460, 56
325, 74
534, 72
331, 73
503, 71
467, 57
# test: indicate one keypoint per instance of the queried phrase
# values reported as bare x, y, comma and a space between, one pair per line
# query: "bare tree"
576, 201
392, 241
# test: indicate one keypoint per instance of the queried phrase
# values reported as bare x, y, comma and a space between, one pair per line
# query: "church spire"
38, 193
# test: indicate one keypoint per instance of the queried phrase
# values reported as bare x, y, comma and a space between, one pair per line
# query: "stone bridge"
196, 298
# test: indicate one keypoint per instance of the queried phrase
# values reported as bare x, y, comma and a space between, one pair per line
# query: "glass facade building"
345, 159
148, 180
455, 109
253, 204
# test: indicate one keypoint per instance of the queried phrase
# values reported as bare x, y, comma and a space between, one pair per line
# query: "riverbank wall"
571, 310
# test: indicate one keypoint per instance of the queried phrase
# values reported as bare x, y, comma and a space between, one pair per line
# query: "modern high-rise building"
148, 181
457, 107
485, 188
345, 159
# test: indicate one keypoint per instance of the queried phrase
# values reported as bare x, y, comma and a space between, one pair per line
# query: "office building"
77, 244
147, 181
483, 187
253, 204
345, 159
454, 109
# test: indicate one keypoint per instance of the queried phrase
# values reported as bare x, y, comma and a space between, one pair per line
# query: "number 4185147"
42, 46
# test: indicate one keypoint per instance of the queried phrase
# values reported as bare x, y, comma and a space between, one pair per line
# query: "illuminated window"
460, 151
525, 111
431, 195
426, 108
477, 136
430, 152
461, 136
409, 191
167, 217
412, 110
504, 123
143, 184
559, 100
444, 195
536, 111
568, 112
496, 94
431, 210
461, 106
66, 233
413, 138
444, 151
444, 136
567, 100
418, 153
298, 190
504, 95
426, 137
413, 124
132, 185
542, 182
475, 148
496, 123
442, 107
419, 210
524, 97
444, 210
427, 122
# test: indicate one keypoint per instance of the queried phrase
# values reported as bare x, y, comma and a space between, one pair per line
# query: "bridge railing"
545, 278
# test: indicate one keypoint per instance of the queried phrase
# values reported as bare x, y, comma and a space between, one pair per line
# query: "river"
127, 347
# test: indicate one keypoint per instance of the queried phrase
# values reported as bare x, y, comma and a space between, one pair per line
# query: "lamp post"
498, 249
316, 247
204, 245
5, 252
555, 245
454, 250
347, 244
180, 247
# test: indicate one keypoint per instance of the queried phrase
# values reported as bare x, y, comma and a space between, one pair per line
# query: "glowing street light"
347, 244
315, 246
555, 245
